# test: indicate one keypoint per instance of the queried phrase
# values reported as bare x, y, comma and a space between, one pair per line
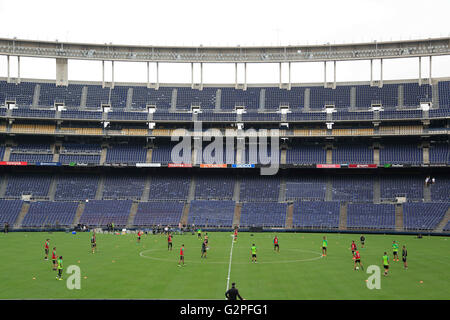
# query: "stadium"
350, 158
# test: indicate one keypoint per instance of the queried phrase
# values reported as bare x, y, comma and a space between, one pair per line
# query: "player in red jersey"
357, 260
276, 246
139, 234
181, 255
235, 234
54, 259
47, 242
353, 249
169, 242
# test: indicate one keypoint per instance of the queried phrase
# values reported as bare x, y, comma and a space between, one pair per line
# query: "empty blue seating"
352, 188
440, 153
9, 211
306, 154
76, 186
232, 98
123, 187
143, 96
352, 153
276, 97
205, 98
306, 187
46, 213
444, 94
50, 94
214, 188
164, 213
261, 188
103, 212
33, 184
410, 187
126, 154
316, 214
401, 153
170, 187
423, 216
263, 214
21, 93
339, 97
211, 213
370, 216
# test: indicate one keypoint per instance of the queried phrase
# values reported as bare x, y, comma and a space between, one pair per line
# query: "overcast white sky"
229, 23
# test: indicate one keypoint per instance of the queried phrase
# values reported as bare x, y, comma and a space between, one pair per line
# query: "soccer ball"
357, 268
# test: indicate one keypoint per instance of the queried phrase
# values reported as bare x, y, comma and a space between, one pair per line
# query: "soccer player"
60, 268
206, 238
362, 239
169, 242
386, 263
404, 256
276, 246
93, 243
199, 233
395, 250
358, 260
324, 246
47, 242
139, 236
353, 249
181, 255
54, 259
203, 249
235, 234
253, 249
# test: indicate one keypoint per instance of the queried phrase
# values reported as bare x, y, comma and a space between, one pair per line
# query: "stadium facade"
352, 156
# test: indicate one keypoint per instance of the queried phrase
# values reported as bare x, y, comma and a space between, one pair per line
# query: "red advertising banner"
179, 165
362, 166
214, 165
13, 163
328, 165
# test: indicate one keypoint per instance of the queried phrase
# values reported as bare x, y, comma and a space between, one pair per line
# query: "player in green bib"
324, 246
60, 268
385, 263
199, 233
253, 249
395, 250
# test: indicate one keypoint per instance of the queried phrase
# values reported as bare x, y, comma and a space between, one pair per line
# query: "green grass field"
123, 269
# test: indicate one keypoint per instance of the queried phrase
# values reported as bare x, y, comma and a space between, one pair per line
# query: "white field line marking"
229, 266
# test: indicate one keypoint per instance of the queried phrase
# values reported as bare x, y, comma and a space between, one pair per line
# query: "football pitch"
125, 269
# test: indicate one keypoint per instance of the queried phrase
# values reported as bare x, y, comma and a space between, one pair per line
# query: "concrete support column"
103, 73
324, 74
112, 74
289, 68
7, 69
430, 69
157, 75
201, 75
371, 72
148, 74
18, 69
381, 73
245, 75
334, 80
280, 75
192, 74
420, 71
235, 75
